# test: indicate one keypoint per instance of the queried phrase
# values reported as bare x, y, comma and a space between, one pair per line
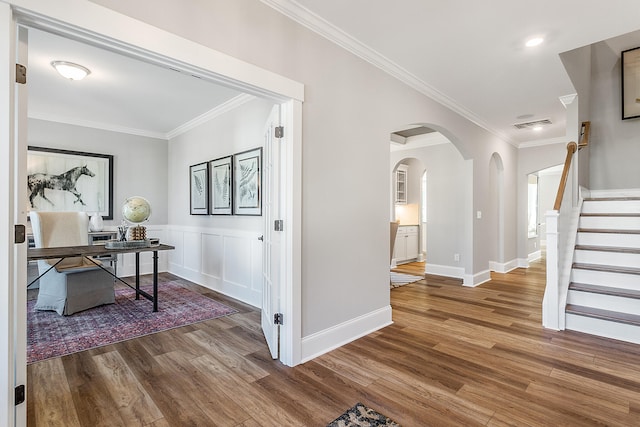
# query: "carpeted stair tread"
605, 290
608, 249
607, 268
607, 230
597, 313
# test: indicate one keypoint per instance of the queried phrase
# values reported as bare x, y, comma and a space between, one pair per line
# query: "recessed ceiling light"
537, 128
534, 41
70, 71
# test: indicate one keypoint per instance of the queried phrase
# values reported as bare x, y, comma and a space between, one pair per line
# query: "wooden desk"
97, 250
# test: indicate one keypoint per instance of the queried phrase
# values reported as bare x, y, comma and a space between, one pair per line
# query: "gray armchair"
75, 284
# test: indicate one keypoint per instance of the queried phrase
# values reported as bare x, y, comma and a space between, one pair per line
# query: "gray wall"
615, 143
445, 198
139, 163
238, 130
349, 111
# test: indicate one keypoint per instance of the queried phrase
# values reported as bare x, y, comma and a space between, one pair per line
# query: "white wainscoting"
126, 265
227, 261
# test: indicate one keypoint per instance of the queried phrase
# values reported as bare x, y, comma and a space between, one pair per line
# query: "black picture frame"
199, 189
630, 83
221, 184
66, 180
247, 182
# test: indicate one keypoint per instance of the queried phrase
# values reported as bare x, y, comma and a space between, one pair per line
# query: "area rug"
360, 415
401, 279
51, 335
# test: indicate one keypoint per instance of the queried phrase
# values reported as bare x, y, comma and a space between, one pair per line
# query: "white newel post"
550, 303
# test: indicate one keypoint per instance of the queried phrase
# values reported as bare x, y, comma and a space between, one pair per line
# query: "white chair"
75, 284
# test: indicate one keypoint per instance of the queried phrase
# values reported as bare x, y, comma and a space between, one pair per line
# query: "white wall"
221, 252
614, 144
350, 108
139, 163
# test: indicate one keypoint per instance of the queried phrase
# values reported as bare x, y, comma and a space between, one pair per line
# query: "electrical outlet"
456, 257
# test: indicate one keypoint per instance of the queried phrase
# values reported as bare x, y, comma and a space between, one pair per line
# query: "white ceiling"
121, 93
468, 55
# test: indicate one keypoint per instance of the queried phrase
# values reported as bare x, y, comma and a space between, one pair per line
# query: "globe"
136, 209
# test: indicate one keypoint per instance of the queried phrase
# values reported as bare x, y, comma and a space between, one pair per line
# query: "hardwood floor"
454, 356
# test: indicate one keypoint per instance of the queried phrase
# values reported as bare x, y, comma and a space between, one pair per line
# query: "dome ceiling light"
535, 41
70, 71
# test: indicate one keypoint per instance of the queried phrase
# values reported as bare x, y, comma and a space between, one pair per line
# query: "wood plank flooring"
454, 356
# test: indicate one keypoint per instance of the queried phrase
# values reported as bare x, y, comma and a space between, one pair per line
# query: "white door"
272, 238
13, 262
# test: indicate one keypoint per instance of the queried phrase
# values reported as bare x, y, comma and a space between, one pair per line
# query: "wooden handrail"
572, 147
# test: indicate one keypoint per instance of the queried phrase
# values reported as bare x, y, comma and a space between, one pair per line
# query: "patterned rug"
51, 335
401, 279
360, 415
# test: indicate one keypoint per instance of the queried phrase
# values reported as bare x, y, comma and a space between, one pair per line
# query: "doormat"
360, 415
51, 335
401, 279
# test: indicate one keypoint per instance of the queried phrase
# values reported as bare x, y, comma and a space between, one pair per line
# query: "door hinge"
21, 74
277, 319
20, 233
278, 225
279, 131
19, 395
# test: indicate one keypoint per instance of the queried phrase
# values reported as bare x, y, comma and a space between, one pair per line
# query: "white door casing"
98, 25
272, 239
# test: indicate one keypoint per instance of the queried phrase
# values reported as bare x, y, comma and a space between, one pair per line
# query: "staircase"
604, 293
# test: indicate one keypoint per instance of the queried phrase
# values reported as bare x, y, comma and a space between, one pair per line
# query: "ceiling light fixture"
70, 71
534, 42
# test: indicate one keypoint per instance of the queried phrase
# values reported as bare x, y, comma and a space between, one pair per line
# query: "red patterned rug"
51, 335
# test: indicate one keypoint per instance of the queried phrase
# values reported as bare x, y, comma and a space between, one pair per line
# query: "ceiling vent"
531, 125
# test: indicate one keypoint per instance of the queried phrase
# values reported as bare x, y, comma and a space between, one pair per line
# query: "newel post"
550, 303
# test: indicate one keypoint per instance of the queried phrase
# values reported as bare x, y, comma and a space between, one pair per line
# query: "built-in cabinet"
406, 246
401, 184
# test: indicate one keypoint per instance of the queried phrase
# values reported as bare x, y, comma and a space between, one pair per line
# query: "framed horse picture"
64, 180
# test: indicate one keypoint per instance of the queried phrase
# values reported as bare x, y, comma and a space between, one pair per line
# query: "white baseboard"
535, 255
473, 280
522, 263
504, 267
444, 270
322, 342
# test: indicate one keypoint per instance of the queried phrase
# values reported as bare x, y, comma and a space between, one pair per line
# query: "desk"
98, 250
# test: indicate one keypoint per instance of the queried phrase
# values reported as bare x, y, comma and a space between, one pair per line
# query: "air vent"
530, 125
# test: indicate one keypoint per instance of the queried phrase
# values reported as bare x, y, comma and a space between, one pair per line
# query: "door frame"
97, 25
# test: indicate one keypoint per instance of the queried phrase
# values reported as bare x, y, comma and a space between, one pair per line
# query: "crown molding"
221, 109
319, 25
541, 142
96, 125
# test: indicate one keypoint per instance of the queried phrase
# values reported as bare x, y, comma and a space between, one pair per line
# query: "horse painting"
38, 182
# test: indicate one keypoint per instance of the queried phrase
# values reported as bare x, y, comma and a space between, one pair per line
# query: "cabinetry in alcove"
406, 246
401, 184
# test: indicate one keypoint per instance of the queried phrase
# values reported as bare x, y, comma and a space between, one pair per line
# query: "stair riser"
625, 192
615, 259
609, 239
603, 328
604, 278
605, 302
617, 206
609, 223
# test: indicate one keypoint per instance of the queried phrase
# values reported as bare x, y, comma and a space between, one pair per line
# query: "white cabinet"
406, 246
401, 184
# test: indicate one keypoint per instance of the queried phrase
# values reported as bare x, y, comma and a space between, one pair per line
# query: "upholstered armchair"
75, 284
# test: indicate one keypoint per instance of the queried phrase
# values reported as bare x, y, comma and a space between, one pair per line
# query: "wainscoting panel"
227, 261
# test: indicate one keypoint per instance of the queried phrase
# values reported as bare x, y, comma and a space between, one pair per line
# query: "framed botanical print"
221, 184
199, 188
630, 60
247, 179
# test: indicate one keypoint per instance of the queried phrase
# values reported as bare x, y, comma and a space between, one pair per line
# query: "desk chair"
75, 284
